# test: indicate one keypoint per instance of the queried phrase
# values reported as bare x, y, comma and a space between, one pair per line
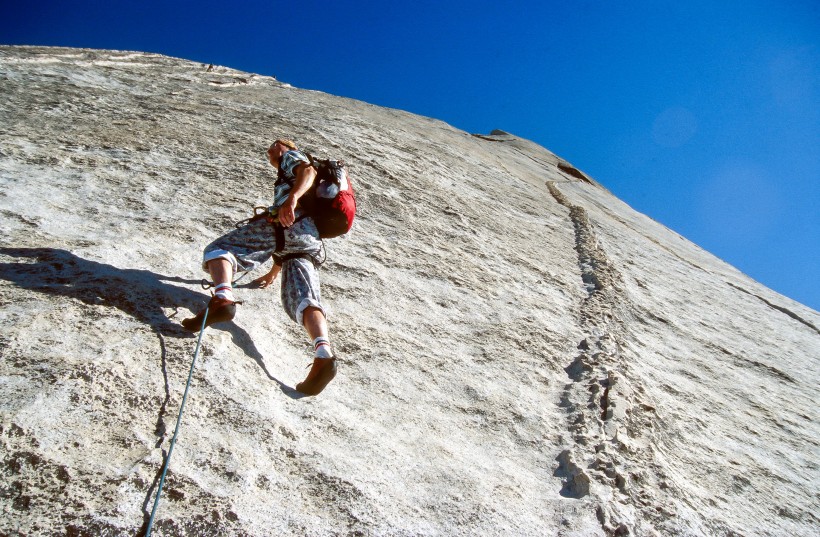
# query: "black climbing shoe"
219, 310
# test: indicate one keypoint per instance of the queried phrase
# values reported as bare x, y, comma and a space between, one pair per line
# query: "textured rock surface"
559, 364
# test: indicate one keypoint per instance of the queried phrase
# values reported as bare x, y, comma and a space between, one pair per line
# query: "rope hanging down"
176, 430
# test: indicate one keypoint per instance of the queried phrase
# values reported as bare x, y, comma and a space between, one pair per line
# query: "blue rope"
176, 430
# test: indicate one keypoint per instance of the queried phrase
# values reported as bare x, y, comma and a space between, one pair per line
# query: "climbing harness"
317, 259
176, 430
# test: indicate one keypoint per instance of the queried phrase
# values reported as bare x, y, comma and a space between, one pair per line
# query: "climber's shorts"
252, 244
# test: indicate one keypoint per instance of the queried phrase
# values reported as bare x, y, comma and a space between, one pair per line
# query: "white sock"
224, 290
322, 346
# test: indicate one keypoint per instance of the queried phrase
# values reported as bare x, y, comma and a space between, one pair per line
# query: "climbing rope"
207, 284
176, 430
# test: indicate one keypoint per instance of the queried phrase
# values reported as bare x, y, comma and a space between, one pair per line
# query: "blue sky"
704, 115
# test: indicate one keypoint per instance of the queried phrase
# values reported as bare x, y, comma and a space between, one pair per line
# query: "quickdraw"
259, 213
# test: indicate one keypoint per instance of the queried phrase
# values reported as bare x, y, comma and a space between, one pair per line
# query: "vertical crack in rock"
160, 431
160, 428
599, 401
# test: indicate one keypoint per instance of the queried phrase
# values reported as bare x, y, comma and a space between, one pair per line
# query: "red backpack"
332, 202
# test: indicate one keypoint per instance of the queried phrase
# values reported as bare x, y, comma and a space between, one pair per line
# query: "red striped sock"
322, 347
224, 290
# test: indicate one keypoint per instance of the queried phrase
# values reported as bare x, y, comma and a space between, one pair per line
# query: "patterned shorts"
251, 245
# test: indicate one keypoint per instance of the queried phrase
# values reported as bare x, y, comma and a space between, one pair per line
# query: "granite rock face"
523, 353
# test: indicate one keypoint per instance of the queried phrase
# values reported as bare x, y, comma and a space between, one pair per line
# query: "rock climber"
289, 235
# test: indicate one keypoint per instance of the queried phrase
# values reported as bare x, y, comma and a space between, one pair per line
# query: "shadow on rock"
139, 293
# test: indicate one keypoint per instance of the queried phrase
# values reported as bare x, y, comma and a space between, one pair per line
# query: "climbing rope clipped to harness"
176, 430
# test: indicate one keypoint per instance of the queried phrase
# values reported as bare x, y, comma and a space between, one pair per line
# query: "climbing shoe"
322, 372
219, 310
